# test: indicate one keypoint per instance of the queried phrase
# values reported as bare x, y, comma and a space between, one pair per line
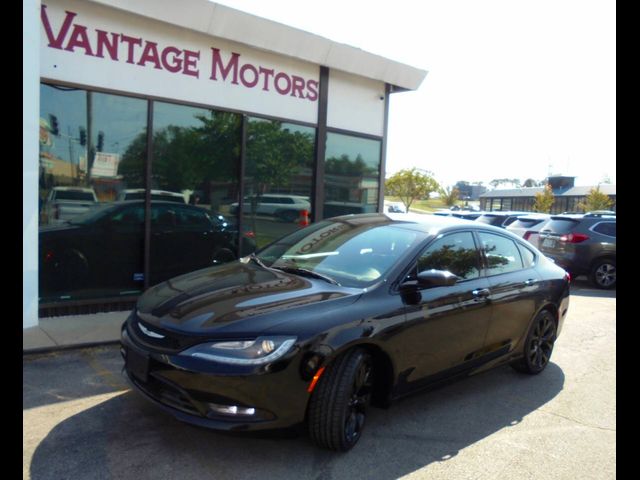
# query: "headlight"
243, 352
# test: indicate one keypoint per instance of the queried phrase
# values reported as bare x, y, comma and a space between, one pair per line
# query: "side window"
191, 219
455, 252
133, 215
606, 228
501, 253
528, 257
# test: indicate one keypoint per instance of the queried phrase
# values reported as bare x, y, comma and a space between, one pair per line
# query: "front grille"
167, 394
171, 342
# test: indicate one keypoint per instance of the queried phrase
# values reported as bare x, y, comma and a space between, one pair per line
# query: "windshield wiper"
307, 273
257, 260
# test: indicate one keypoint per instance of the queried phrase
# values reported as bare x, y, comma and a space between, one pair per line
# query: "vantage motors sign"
97, 46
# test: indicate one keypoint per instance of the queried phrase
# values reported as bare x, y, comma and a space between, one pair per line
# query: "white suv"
64, 203
284, 207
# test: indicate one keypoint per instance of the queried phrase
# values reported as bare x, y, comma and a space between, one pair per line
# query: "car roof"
426, 223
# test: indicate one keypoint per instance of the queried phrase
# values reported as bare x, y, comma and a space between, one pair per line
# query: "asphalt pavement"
81, 421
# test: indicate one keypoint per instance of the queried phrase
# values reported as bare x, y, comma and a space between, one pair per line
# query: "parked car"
284, 207
395, 207
64, 203
499, 219
583, 244
349, 311
139, 194
528, 226
104, 248
467, 214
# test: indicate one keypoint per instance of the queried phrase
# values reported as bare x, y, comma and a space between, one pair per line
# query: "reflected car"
348, 312
139, 194
287, 208
499, 219
65, 203
528, 226
103, 249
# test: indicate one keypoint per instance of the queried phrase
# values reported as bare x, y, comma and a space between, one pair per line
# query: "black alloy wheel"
337, 409
603, 273
539, 344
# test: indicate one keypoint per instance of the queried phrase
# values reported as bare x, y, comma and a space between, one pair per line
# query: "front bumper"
188, 387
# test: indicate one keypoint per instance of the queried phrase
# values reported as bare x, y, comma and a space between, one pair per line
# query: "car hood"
238, 297
60, 227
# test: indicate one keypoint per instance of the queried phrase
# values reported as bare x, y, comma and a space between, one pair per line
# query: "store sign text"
71, 36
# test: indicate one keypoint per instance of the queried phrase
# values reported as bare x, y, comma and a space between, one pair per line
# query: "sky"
515, 89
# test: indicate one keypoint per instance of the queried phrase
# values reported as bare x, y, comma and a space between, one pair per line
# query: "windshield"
352, 254
75, 195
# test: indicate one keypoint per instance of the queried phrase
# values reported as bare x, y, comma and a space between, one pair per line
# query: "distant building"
470, 192
567, 196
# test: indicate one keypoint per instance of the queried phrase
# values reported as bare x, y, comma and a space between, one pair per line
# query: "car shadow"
583, 288
128, 437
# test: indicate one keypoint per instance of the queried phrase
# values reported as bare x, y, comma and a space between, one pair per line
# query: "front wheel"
538, 345
337, 409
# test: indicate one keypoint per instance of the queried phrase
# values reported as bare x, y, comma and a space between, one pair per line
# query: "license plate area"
138, 364
549, 242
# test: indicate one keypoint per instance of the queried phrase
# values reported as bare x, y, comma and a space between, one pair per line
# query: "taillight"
574, 238
567, 275
528, 234
249, 234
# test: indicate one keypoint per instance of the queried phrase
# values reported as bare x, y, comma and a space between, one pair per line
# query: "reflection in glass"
352, 175
196, 156
501, 253
83, 140
455, 253
278, 178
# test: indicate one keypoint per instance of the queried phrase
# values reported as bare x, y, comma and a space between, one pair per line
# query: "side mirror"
433, 278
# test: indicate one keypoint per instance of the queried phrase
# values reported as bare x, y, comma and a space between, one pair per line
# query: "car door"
514, 286
446, 325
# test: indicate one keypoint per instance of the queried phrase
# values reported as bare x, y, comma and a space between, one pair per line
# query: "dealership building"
223, 129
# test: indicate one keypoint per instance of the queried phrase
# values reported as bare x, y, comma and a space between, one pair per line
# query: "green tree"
450, 195
410, 185
544, 200
596, 200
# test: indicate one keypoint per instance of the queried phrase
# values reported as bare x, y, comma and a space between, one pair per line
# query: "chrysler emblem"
148, 332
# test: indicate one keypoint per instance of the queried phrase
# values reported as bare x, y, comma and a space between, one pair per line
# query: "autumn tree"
544, 200
596, 200
410, 184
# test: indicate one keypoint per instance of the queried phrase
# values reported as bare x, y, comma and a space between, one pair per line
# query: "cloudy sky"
515, 88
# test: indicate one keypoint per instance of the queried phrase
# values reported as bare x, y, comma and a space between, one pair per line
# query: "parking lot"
81, 420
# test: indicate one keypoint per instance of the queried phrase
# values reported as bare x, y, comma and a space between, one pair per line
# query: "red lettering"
268, 72
281, 76
174, 65
254, 71
312, 87
150, 54
56, 41
225, 70
298, 85
132, 41
103, 42
79, 38
191, 63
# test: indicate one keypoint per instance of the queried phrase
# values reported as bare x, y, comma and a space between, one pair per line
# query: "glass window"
606, 228
352, 175
92, 146
456, 253
277, 180
196, 160
501, 253
528, 257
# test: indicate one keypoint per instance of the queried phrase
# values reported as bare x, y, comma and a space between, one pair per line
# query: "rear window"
607, 228
490, 219
561, 225
74, 195
525, 222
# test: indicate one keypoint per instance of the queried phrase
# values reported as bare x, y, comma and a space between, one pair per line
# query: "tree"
409, 185
596, 200
530, 182
544, 200
450, 195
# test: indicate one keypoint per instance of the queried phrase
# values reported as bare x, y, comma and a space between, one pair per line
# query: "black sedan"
103, 249
349, 311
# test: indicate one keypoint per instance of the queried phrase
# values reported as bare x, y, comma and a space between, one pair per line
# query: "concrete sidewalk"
54, 333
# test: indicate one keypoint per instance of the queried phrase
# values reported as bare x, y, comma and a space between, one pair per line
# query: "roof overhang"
224, 22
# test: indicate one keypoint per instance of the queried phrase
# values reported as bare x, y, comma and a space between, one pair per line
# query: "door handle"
481, 292
529, 282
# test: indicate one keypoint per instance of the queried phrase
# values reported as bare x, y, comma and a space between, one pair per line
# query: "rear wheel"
603, 273
538, 345
337, 409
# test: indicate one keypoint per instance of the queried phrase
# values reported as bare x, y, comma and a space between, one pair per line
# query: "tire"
337, 409
538, 345
603, 273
